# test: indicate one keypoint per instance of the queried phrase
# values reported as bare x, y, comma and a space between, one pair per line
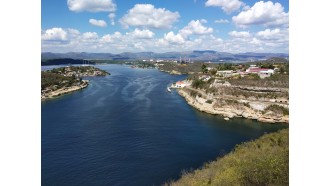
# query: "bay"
126, 129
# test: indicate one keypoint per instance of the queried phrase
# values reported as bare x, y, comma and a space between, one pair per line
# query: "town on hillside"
254, 91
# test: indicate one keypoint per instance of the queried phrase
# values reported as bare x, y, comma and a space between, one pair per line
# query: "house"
256, 70
180, 84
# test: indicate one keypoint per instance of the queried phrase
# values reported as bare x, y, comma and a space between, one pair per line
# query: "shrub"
209, 101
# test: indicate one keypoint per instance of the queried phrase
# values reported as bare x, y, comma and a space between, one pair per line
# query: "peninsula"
64, 80
253, 91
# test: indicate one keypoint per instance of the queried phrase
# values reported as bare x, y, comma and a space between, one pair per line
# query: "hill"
264, 161
196, 55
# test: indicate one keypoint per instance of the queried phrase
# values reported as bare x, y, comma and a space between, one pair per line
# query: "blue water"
125, 129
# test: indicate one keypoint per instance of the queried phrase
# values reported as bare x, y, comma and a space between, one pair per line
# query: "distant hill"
196, 55
64, 61
271, 60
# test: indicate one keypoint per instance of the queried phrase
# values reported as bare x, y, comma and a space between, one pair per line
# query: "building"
256, 70
180, 84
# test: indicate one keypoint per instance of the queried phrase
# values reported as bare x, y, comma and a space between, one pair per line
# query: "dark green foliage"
226, 66
50, 79
209, 101
213, 71
193, 93
197, 83
267, 65
204, 69
79, 69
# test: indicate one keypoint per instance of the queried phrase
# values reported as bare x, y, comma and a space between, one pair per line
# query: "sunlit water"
126, 129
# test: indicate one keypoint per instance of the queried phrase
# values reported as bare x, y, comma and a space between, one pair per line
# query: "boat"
168, 89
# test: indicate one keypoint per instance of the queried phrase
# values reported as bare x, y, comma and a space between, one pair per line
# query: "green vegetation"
226, 66
67, 76
277, 109
209, 101
264, 161
57, 81
275, 80
204, 69
198, 83
79, 71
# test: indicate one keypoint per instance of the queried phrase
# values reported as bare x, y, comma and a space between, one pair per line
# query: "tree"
204, 69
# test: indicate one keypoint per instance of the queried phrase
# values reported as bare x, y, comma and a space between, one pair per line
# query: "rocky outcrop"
65, 90
230, 111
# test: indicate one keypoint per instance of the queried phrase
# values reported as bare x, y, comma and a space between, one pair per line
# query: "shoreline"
228, 112
63, 91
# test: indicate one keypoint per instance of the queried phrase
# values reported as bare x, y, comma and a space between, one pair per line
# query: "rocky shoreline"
230, 111
63, 91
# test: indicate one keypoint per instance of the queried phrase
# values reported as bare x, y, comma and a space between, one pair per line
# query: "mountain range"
196, 55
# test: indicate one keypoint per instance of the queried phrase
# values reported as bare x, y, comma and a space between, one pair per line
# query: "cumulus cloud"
100, 23
54, 34
226, 5
91, 5
242, 34
72, 40
90, 36
269, 34
112, 18
262, 13
172, 38
111, 38
196, 28
146, 15
141, 34
221, 21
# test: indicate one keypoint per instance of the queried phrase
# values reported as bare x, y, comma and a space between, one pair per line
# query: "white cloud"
92, 5
111, 38
100, 23
72, 40
242, 34
146, 15
262, 13
141, 34
112, 18
196, 28
226, 5
54, 34
221, 21
172, 38
90, 36
269, 34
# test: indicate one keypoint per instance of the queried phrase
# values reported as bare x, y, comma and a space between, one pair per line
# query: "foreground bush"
264, 161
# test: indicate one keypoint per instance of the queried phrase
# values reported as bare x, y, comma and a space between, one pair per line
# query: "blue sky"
160, 26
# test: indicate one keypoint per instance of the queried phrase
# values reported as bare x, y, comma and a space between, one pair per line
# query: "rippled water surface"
125, 129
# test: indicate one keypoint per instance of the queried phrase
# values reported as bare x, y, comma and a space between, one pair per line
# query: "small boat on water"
168, 89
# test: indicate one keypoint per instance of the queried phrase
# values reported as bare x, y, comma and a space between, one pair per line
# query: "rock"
226, 119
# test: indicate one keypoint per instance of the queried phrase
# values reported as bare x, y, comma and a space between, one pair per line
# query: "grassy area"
264, 161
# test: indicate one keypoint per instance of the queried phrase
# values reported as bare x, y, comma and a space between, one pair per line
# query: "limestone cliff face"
234, 107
